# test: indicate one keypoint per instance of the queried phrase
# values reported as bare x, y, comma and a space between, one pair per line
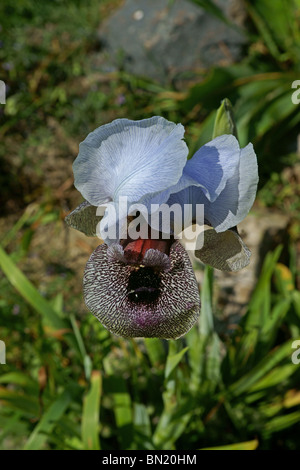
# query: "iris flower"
146, 287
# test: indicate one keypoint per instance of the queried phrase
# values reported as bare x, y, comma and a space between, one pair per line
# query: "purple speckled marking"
175, 311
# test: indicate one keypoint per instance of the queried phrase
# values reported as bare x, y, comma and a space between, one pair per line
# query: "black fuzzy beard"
144, 285
155, 297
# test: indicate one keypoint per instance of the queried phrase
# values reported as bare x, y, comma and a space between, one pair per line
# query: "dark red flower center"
135, 251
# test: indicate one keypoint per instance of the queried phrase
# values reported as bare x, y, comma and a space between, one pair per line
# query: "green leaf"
173, 360
213, 360
284, 279
269, 330
212, 8
205, 346
48, 421
261, 369
14, 425
249, 445
264, 30
296, 302
19, 378
25, 217
281, 34
90, 413
87, 363
142, 427
260, 303
29, 292
282, 422
210, 91
206, 322
274, 377
204, 133
176, 412
122, 407
155, 351
225, 122
172, 423
26, 403
195, 357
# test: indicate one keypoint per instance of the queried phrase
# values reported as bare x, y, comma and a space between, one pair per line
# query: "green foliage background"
68, 383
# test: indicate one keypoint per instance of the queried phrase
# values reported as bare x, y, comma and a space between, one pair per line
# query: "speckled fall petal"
84, 218
151, 300
225, 250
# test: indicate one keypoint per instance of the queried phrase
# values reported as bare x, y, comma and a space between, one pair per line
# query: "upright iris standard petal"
206, 174
238, 196
152, 300
235, 200
223, 247
130, 158
213, 165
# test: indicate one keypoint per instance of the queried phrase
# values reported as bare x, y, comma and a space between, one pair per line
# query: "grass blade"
249, 445
155, 351
90, 414
173, 360
142, 427
116, 386
261, 369
45, 426
29, 292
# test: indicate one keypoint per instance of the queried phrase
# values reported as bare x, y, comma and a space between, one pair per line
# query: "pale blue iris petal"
204, 175
213, 164
208, 169
163, 196
191, 195
234, 202
236, 199
130, 158
238, 196
113, 225
166, 222
95, 138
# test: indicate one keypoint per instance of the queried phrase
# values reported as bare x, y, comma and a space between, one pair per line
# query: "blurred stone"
160, 39
262, 231
291, 174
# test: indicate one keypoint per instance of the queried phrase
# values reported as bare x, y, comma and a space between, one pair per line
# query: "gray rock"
160, 39
262, 231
